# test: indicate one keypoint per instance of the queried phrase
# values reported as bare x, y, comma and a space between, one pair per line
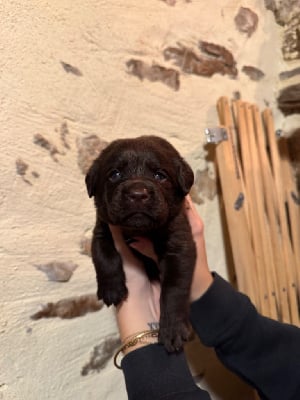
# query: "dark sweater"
263, 352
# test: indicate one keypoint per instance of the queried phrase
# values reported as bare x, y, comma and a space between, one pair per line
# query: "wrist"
133, 342
201, 282
202, 278
140, 311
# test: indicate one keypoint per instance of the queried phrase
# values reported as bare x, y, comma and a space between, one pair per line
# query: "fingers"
142, 244
202, 277
145, 247
120, 243
117, 236
193, 217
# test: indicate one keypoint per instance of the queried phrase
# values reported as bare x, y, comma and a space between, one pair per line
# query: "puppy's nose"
138, 194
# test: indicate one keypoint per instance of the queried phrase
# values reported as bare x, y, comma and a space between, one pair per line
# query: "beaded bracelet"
133, 341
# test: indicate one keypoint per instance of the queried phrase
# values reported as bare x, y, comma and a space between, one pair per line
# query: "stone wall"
75, 75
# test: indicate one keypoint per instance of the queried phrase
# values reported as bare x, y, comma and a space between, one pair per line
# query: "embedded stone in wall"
287, 14
289, 100
210, 60
64, 133
236, 95
22, 169
289, 74
204, 187
293, 142
86, 243
21, 166
255, 74
71, 69
170, 2
41, 141
195, 195
72, 307
154, 73
246, 21
283, 9
58, 271
173, 2
89, 147
101, 355
291, 39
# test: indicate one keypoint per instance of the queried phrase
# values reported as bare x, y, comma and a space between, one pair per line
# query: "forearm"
152, 373
133, 318
139, 313
262, 351
202, 278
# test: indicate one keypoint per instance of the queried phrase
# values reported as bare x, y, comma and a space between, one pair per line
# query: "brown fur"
140, 184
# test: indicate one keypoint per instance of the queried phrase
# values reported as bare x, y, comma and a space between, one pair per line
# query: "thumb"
144, 246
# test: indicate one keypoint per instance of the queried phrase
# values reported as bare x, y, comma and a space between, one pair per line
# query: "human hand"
141, 310
202, 277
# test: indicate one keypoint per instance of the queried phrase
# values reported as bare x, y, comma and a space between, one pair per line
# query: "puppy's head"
139, 183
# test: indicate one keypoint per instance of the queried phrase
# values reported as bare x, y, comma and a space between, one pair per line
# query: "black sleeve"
264, 352
152, 374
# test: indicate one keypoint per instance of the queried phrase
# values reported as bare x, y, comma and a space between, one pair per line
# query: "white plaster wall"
44, 220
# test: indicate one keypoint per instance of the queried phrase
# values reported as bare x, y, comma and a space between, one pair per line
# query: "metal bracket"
215, 135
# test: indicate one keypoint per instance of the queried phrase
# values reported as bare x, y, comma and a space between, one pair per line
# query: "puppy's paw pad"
112, 295
173, 337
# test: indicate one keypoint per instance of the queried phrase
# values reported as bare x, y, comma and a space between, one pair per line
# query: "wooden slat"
271, 207
232, 186
265, 230
245, 138
289, 260
293, 207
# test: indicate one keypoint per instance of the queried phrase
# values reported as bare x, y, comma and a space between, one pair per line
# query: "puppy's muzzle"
138, 203
137, 193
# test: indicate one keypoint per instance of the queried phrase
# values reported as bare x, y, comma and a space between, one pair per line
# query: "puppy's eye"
160, 176
115, 175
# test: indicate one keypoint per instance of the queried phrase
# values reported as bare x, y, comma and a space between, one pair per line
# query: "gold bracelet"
134, 340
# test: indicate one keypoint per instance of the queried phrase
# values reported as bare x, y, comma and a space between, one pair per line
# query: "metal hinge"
215, 135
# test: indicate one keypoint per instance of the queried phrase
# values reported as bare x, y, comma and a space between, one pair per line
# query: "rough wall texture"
73, 76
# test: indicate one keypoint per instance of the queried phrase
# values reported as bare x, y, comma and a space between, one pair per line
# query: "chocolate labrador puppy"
140, 184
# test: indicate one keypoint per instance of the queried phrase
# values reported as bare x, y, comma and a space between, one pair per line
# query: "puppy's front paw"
112, 291
174, 335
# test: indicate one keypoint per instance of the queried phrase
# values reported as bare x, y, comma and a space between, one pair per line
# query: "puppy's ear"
91, 178
185, 176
